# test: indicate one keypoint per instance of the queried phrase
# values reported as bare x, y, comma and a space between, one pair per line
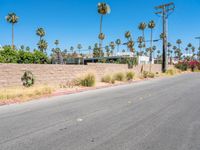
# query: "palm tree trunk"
144, 40
101, 41
13, 35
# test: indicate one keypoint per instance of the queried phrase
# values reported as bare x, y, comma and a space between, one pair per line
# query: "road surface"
161, 114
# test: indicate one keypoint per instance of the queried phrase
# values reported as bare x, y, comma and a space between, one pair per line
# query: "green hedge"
10, 55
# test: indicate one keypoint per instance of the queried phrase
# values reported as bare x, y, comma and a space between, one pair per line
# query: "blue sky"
77, 21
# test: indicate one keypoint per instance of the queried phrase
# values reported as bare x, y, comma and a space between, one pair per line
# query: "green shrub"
28, 79
119, 76
88, 81
106, 79
130, 75
183, 66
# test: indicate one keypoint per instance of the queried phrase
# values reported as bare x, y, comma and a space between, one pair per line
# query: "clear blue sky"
77, 21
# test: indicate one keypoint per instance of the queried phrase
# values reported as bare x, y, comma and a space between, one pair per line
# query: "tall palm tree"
128, 35
42, 45
57, 43
140, 40
103, 9
118, 42
151, 26
112, 46
142, 26
13, 19
72, 49
193, 50
40, 32
179, 43
174, 48
189, 47
89, 48
130, 45
107, 50
79, 46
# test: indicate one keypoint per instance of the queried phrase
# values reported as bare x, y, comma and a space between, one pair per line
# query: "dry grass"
24, 94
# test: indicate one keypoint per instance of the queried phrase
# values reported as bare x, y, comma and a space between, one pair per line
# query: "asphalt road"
161, 114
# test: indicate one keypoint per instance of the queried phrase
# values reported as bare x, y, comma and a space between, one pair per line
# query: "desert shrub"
119, 76
88, 81
145, 74
171, 72
151, 75
130, 75
113, 81
106, 79
28, 79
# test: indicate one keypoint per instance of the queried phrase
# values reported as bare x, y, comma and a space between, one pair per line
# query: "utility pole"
164, 11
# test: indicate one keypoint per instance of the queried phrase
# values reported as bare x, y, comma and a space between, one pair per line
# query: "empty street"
160, 114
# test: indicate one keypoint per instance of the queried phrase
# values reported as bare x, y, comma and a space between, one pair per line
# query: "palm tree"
151, 26
40, 32
179, 43
42, 45
72, 49
13, 19
103, 9
107, 50
27, 48
193, 51
130, 45
22, 47
65, 51
112, 46
128, 35
79, 46
89, 48
189, 47
142, 26
175, 49
56, 43
118, 42
140, 40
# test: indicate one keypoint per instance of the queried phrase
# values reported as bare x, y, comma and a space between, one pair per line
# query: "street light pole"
198, 38
164, 12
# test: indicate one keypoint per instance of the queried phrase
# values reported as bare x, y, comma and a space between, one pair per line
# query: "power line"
165, 10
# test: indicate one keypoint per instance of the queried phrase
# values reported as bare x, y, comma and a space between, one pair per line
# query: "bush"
151, 75
10, 55
28, 79
130, 75
171, 72
113, 81
106, 79
88, 81
193, 65
147, 74
119, 77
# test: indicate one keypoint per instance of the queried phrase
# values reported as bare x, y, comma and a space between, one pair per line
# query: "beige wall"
10, 74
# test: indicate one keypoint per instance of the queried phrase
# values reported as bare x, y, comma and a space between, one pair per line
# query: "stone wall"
10, 74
